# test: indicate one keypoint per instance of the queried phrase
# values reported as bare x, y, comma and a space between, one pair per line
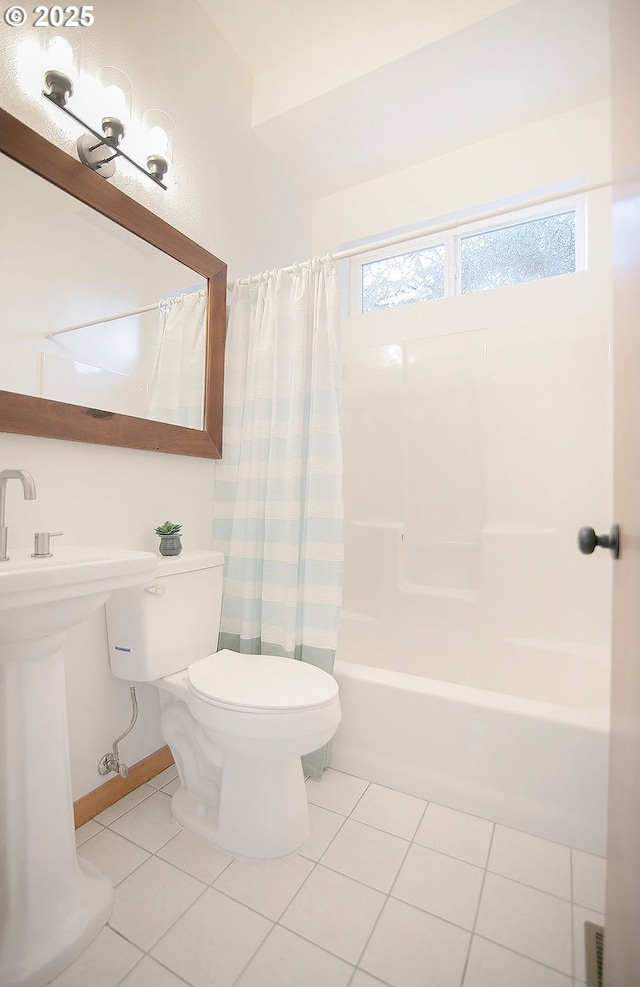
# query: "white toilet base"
262, 813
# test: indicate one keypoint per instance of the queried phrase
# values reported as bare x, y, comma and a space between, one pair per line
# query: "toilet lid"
260, 682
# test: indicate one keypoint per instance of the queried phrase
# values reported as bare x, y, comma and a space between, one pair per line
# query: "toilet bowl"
236, 724
239, 761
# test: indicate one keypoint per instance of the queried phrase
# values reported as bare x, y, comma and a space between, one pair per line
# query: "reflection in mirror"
114, 324
142, 363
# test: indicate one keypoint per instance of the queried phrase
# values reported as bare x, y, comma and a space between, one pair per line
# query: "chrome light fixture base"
60, 87
96, 155
158, 167
113, 130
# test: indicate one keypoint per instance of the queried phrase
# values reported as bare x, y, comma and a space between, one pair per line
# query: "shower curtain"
278, 514
177, 387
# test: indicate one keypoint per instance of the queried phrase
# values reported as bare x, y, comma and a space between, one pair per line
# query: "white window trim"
452, 237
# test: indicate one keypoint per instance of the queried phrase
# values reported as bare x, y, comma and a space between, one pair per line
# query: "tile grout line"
124, 812
254, 954
388, 894
532, 887
523, 956
379, 829
475, 919
147, 952
127, 840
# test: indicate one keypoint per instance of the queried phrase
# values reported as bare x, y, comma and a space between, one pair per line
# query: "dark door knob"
588, 541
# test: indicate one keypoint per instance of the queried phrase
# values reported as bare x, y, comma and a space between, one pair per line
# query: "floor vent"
594, 951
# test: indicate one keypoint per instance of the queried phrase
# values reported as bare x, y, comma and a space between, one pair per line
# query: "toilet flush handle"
156, 588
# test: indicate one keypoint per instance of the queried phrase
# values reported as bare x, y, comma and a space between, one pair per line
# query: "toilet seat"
260, 683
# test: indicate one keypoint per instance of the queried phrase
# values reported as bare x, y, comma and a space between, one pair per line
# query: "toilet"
236, 724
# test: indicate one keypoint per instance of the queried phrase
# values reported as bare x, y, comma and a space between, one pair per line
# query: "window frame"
451, 241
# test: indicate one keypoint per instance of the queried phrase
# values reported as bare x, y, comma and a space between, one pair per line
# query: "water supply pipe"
111, 762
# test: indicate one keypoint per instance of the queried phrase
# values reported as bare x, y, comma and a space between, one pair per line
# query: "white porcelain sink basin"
42, 597
51, 903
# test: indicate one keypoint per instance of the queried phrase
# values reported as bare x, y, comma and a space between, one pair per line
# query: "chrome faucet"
29, 489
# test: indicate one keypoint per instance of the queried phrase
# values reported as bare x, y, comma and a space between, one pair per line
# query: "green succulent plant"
168, 528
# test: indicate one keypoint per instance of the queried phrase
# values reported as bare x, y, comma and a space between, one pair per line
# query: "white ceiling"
263, 32
408, 92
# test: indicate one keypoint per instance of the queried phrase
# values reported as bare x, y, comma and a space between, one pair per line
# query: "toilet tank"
170, 622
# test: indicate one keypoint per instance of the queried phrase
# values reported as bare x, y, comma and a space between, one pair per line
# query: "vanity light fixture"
100, 151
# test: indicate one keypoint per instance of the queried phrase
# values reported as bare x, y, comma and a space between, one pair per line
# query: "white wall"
225, 193
567, 147
478, 439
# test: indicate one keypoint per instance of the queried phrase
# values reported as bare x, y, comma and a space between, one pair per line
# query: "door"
622, 921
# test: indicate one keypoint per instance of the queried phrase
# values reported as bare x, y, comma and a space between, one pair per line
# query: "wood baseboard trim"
105, 795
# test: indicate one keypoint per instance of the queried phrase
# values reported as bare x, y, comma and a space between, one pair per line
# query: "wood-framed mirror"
31, 413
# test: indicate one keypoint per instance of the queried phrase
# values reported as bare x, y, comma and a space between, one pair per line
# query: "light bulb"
115, 101
60, 54
115, 94
158, 141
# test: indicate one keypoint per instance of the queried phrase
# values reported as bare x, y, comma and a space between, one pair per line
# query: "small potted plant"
170, 543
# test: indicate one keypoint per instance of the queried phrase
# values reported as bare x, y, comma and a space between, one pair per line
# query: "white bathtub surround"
460, 558
388, 886
533, 766
278, 488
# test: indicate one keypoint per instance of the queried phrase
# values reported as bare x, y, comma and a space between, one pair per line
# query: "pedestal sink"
51, 904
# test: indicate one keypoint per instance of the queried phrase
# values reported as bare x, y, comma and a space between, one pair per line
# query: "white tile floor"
389, 890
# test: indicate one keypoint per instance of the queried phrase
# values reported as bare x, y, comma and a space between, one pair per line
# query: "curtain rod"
451, 224
123, 315
106, 318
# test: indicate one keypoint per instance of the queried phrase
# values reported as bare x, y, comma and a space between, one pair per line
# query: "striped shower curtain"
278, 488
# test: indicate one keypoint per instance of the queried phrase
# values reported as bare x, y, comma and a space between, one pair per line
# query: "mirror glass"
64, 265
112, 326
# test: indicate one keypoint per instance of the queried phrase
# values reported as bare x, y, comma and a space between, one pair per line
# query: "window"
540, 248
414, 277
524, 246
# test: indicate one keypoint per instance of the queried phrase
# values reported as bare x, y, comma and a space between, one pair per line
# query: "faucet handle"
41, 547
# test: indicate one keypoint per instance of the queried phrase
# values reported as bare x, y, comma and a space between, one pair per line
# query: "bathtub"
535, 766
